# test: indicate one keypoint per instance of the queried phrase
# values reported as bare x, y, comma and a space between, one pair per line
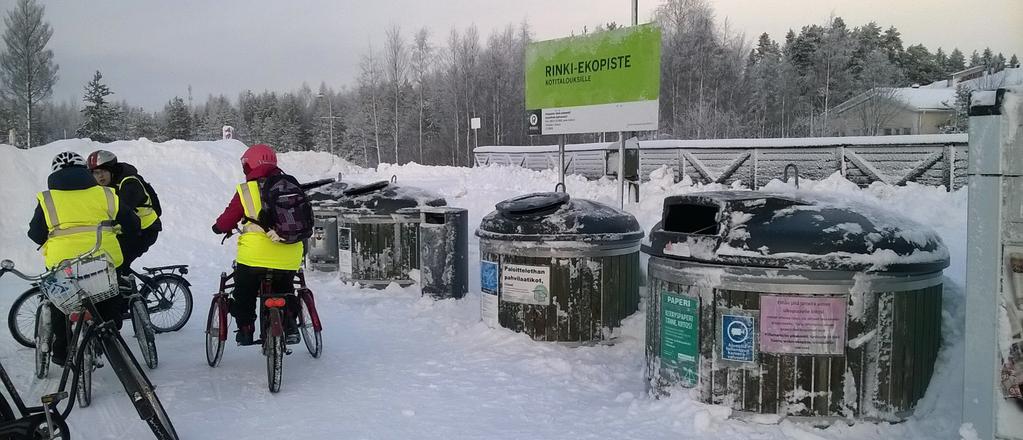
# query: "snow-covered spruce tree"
178, 123
27, 70
100, 116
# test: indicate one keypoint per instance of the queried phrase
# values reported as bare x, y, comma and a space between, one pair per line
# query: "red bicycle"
273, 311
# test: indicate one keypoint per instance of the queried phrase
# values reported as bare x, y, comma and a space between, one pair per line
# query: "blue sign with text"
737, 338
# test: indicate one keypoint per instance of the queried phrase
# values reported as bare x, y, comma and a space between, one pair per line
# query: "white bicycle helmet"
66, 159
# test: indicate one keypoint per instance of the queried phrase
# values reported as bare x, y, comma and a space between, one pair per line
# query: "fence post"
950, 167
756, 169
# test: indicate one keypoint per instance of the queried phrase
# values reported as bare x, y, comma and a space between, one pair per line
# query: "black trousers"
109, 310
247, 280
133, 247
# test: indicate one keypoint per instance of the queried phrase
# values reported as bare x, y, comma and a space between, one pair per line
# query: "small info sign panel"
791, 324
526, 284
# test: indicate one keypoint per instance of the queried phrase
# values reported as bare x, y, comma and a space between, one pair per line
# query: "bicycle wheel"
21, 320
169, 302
60, 429
85, 375
274, 362
216, 332
144, 332
138, 388
44, 340
311, 336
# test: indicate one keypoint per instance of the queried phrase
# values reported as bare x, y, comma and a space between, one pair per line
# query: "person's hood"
70, 178
123, 170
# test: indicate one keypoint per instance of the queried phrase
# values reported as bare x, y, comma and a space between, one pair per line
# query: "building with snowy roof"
913, 110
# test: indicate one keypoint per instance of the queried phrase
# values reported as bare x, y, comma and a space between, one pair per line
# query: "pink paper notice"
793, 324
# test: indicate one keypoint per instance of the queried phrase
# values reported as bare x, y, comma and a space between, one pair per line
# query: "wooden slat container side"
892, 338
589, 297
381, 254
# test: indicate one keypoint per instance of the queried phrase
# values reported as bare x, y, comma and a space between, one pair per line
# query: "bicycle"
42, 422
274, 311
168, 299
73, 287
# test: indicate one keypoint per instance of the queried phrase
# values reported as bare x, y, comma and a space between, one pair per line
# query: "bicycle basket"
73, 280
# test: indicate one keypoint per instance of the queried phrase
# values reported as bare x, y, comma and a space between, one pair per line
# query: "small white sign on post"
474, 123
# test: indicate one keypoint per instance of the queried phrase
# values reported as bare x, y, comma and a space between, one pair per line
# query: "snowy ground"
396, 365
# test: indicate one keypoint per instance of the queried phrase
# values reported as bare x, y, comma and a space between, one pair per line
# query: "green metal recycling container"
377, 244
559, 269
797, 305
443, 250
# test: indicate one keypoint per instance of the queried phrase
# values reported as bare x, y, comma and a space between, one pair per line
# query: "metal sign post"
621, 170
994, 302
474, 123
561, 162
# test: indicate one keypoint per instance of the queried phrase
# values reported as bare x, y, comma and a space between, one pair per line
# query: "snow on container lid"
383, 198
808, 231
332, 191
555, 216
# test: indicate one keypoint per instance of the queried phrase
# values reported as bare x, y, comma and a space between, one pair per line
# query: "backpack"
154, 200
286, 208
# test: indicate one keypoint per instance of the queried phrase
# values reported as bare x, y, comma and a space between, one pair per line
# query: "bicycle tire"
144, 333
138, 388
42, 431
216, 327
21, 317
312, 338
164, 317
275, 362
85, 375
43, 332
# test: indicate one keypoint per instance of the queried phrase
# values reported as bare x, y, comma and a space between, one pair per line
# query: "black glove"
215, 230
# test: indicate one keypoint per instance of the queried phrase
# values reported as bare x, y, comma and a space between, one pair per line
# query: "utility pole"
635, 12
330, 117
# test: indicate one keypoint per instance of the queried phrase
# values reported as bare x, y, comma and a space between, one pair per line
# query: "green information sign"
606, 81
680, 335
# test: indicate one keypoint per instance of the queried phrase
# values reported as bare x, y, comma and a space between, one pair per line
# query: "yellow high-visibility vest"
255, 249
145, 212
71, 219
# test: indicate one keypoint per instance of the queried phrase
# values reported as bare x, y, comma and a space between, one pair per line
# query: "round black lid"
383, 198
794, 231
557, 217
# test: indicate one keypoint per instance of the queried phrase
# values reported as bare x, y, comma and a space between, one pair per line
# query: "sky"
150, 51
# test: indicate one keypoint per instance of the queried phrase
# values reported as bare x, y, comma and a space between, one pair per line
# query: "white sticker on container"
526, 284
344, 253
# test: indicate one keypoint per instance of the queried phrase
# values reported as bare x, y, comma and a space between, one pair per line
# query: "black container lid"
805, 231
332, 191
381, 198
555, 216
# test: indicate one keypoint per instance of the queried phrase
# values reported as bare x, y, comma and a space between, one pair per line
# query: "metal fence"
924, 159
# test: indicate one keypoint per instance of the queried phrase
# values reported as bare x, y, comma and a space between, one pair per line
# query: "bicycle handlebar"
8, 265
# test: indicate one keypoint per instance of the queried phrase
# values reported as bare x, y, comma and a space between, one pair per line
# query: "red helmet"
258, 155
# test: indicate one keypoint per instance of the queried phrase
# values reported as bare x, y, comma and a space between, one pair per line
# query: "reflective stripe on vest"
145, 212
255, 249
72, 217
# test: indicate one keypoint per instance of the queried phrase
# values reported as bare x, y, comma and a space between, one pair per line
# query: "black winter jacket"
131, 193
72, 178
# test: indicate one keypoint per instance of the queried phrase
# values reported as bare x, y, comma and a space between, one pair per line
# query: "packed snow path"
396, 365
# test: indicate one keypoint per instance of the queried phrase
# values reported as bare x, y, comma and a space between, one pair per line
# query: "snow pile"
396, 365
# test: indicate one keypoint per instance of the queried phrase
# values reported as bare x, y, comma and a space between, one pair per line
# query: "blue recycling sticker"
737, 338
488, 277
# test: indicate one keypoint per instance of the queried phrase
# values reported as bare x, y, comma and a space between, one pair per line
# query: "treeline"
417, 91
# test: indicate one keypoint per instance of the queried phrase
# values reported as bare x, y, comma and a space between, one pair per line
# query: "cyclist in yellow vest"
136, 194
64, 225
258, 249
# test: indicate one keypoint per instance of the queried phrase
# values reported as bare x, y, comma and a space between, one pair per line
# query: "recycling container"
559, 269
799, 305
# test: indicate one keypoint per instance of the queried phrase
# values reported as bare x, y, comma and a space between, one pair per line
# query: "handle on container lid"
533, 204
368, 188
